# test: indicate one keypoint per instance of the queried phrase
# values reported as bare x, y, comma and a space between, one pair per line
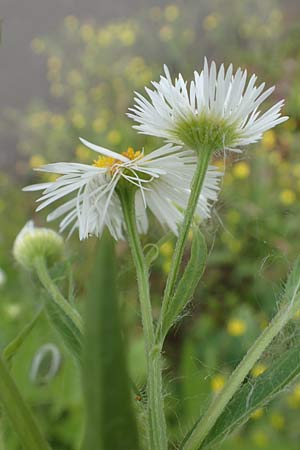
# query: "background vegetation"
92, 72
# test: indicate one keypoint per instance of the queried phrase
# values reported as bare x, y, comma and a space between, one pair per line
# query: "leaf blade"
110, 418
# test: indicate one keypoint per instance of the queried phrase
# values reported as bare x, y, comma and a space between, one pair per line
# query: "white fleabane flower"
218, 109
161, 180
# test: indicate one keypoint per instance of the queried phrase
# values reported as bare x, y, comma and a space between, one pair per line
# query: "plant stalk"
156, 415
196, 187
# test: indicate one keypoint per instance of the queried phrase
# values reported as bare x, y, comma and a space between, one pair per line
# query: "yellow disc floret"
110, 163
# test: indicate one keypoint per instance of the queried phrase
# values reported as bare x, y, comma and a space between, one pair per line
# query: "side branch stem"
51, 288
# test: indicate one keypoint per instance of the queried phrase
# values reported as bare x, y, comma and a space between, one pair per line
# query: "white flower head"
218, 109
33, 242
161, 181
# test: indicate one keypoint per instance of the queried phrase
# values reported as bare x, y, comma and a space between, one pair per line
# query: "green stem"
201, 430
51, 288
196, 187
19, 413
157, 421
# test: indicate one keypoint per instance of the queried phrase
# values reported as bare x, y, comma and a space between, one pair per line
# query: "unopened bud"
33, 242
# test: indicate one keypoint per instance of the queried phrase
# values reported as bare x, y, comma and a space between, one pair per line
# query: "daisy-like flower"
161, 181
217, 110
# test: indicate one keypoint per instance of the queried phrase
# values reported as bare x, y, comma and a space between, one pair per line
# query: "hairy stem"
157, 421
196, 187
196, 438
19, 413
51, 288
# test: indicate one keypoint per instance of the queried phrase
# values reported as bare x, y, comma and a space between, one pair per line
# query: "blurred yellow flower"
241, 170
211, 22
57, 120
71, 23
236, 327
104, 38
166, 266
74, 77
114, 137
260, 438
99, 125
233, 217
257, 414
171, 13
287, 197
54, 63
38, 46
296, 170
37, 161
269, 139
233, 244
293, 399
128, 37
78, 120
258, 370
277, 421
83, 153
87, 32
217, 383
166, 33
166, 249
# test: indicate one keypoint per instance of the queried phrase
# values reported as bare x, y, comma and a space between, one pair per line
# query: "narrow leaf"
188, 282
12, 348
110, 419
254, 395
62, 314
65, 327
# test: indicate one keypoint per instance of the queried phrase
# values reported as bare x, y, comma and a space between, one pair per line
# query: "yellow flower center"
110, 163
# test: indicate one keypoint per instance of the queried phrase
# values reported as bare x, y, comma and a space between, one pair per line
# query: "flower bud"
33, 242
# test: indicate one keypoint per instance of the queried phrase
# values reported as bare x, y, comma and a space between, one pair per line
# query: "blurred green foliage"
253, 236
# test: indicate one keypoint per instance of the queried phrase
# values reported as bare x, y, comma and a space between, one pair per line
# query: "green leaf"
66, 328
188, 282
12, 348
62, 314
110, 419
255, 394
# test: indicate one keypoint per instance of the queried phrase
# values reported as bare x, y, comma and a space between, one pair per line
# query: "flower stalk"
156, 415
196, 187
45, 279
